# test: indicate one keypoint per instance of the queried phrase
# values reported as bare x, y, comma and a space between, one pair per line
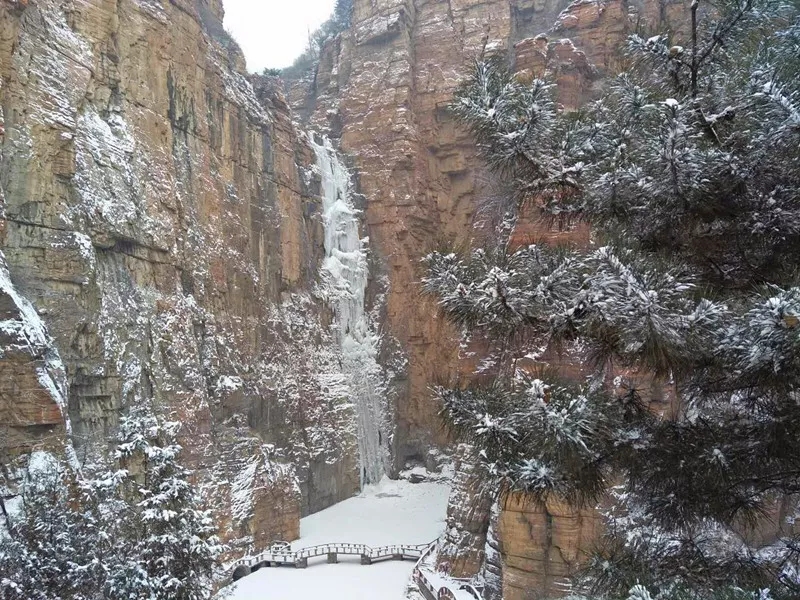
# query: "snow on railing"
436, 587
291, 556
432, 585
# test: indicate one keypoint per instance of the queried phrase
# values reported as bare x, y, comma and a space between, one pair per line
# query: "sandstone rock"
384, 88
32, 379
462, 553
542, 545
160, 213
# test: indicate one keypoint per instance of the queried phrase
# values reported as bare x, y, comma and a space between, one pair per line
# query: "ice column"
345, 273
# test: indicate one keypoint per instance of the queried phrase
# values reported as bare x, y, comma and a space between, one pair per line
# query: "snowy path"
392, 512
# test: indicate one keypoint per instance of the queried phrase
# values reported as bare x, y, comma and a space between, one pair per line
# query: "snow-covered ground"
392, 512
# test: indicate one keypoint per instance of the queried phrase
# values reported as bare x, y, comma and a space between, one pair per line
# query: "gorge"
243, 252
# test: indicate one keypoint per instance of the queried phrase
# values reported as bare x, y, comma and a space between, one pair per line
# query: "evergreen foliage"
136, 533
688, 169
170, 539
53, 551
343, 13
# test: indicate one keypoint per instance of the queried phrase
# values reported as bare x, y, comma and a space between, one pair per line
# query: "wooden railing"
435, 587
281, 557
432, 586
299, 558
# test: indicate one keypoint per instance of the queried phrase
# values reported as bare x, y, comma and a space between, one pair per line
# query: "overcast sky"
272, 33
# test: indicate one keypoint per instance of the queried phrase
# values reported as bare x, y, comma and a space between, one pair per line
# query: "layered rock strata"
383, 87
161, 221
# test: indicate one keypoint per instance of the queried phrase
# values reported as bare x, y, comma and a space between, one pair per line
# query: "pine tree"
343, 13
51, 550
688, 168
171, 549
136, 533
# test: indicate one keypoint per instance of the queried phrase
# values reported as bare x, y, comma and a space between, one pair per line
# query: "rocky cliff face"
383, 87
162, 237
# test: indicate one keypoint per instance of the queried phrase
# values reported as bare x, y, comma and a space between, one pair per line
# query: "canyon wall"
163, 244
383, 87
162, 239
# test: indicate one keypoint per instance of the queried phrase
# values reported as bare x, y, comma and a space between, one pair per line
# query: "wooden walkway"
431, 585
299, 558
435, 587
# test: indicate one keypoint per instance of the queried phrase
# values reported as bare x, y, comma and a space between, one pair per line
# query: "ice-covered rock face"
345, 276
33, 383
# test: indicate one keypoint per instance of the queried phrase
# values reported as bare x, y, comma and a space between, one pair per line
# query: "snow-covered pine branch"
688, 168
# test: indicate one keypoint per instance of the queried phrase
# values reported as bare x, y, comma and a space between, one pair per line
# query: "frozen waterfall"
345, 273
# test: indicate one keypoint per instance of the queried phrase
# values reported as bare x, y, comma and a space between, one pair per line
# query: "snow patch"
229, 383
389, 512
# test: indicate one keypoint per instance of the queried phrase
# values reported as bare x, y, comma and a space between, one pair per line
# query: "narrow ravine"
345, 275
386, 512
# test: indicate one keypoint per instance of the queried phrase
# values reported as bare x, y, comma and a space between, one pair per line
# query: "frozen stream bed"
391, 512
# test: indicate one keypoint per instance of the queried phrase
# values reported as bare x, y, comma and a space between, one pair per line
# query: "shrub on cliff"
307, 61
688, 169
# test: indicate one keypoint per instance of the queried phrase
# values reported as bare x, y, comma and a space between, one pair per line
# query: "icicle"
346, 269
